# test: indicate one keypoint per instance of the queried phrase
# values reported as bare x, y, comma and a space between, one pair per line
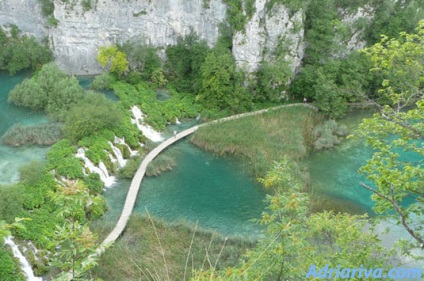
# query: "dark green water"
12, 158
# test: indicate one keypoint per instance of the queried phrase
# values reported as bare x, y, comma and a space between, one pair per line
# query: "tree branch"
398, 210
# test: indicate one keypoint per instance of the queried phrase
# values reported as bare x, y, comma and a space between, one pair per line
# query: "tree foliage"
113, 60
397, 134
184, 61
21, 52
89, 116
50, 89
222, 82
295, 239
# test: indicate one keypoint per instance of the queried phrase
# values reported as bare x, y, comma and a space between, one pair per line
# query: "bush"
50, 89
97, 208
327, 134
21, 52
10, 202
8, 269
103, 82
61, 157
130, 168
160, 164
90, 116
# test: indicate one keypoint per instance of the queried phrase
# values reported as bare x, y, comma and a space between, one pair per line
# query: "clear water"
334, 172
203, 188
212, 191
12, 158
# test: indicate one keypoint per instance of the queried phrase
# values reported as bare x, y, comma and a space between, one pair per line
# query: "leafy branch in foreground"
295, 239
397, 134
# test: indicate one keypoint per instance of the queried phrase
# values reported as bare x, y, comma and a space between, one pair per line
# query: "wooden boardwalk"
138, 177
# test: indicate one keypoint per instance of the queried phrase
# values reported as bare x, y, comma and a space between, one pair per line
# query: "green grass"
262, 139
137, 255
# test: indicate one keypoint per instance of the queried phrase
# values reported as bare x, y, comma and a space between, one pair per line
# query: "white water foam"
101, 170
122, 141
119, 157
147, 130
25, 266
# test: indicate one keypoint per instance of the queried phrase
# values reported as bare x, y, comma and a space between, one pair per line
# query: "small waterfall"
148, 131
101, 170
122, 141
198, 117
112, 159
25, 266
121, 161
177, 121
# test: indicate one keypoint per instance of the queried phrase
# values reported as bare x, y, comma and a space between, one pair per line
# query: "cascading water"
101, 170
121, 161
122, 141
148, 131
25, 266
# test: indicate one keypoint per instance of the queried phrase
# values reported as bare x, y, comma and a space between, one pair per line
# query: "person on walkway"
175, 134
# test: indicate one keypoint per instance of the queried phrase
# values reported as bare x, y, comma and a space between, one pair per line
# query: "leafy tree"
113, 60
273, 78
77, 251
184, 61
221, 82
141, 58
90, 116
50, 89
21, 52
294, 239
396, 130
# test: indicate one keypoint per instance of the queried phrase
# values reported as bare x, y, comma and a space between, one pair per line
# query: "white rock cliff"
79, 33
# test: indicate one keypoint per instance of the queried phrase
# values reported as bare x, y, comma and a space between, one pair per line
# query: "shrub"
21, 52
61, 157
10, 202
103, 82
50, 89
327, 134
90, 116
8, 269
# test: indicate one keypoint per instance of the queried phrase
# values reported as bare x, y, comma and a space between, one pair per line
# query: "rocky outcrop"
79, 32
264, 32
25, 14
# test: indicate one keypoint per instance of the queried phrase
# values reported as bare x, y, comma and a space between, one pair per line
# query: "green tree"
113, 60
142, 58
295, 239
90, 116
184, 61
77, 252
396, 131
50, 89
221, 82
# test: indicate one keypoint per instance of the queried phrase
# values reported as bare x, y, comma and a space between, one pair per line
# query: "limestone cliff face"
25, 14
264, 32
159, 22
79, 33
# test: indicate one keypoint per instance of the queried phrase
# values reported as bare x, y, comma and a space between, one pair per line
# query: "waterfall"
101, 170
25, 266
121, 161
177, 121
148, 131
122, 141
